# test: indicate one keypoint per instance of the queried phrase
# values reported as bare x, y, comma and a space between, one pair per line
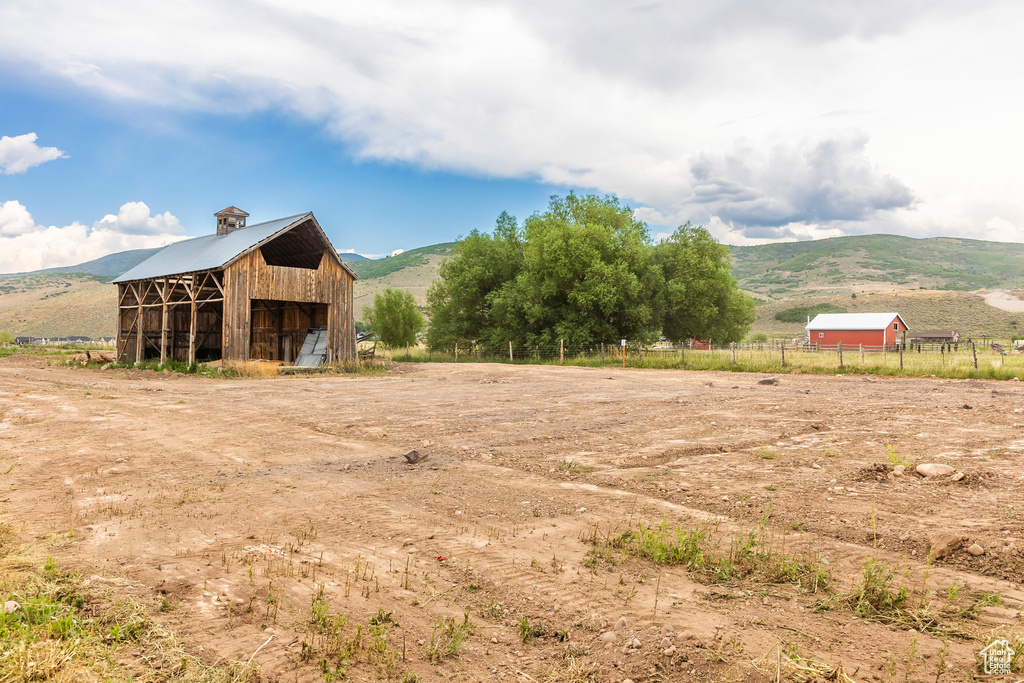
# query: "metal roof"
853, 321
206, 253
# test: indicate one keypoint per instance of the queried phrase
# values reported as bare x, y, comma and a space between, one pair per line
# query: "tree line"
585, 271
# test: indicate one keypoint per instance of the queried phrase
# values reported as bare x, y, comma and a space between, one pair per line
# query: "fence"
964, 360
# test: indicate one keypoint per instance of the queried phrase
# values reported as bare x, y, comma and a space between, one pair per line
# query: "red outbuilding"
872, 330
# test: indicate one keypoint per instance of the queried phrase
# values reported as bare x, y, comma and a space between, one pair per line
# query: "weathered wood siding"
251, 278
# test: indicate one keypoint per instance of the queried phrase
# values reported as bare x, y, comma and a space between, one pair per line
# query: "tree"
394, 318
586, 278
461, 300
6, 337
700, 297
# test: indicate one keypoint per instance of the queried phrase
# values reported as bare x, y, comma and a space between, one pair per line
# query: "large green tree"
586, 277
700, 296
461, 300
394, 318
584, 271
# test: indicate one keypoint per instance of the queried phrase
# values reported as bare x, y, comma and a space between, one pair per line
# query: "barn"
273, 291
872, 330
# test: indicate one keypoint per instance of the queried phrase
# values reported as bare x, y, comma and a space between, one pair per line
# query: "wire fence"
963, 360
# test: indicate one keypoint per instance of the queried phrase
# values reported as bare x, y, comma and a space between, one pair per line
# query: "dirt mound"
877, 472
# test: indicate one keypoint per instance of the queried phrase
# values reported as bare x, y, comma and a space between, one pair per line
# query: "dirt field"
244, 506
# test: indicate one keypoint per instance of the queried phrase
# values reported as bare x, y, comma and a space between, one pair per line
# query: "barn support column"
163, 325
139, 348
192, 333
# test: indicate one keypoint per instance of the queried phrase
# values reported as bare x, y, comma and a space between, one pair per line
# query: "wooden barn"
873, 330
273, 291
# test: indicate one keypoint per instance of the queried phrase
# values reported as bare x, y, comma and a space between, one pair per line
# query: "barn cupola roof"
230, 219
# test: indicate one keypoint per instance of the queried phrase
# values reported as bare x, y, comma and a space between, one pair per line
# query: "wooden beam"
163, 327
192, 335
138, 330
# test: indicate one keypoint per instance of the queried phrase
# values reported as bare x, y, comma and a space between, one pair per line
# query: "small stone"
620, 624
608, 637
976, 550
414, 456
406, 542
815, 466
905, 537
494, 640
958, 476
725, 499
899, 470
934, 469
635, 643
10, 607
944, 544
773, 380
666, 642
669, 651
412, 550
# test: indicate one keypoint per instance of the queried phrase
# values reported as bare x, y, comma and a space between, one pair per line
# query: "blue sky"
401, 124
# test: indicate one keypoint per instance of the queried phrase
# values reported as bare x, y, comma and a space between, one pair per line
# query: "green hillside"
876, 262
407, 259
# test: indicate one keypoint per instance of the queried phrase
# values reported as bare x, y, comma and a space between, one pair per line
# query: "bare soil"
232, 502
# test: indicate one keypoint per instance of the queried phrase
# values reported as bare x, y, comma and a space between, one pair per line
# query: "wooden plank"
139, 328
192, 335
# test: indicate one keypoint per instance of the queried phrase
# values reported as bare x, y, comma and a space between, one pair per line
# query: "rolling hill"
928, 280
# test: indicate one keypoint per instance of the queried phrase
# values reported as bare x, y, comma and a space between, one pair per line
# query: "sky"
401, 124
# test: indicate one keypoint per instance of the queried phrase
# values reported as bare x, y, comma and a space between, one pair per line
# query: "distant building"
937, 337
878, 330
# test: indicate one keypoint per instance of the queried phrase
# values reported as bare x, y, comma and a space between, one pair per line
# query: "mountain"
928, 280
877, 263
349, 257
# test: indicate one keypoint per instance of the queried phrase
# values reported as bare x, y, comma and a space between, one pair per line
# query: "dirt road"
257, 508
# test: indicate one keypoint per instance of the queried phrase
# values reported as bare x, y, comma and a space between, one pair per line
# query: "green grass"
758, 554
447, 638
65, 630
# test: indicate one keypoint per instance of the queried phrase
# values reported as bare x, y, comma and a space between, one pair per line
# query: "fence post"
456, 352
901, 357
602, 353
682, 354
732, 345
840, 354
974, 352
561, 351
783, 353
862, 354
510, 358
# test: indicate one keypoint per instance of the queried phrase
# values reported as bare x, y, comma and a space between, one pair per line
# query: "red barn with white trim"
853, 329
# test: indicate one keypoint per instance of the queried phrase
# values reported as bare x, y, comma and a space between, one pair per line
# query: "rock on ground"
934, 469
944, 544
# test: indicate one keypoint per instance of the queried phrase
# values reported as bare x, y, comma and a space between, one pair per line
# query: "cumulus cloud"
26, 245
20, 153
692, 109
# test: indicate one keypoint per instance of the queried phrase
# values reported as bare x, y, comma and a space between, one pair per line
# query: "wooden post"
942, 353
783, 353
732, 345
862, 354
602, 353
163, 326
901, 357
974, 352
682, 354
139, 348
510, 358
623, 356
456, 352
840, 354
192, 332
561, 351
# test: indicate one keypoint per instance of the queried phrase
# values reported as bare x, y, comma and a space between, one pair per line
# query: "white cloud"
905, 103
25, 245
20, 153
